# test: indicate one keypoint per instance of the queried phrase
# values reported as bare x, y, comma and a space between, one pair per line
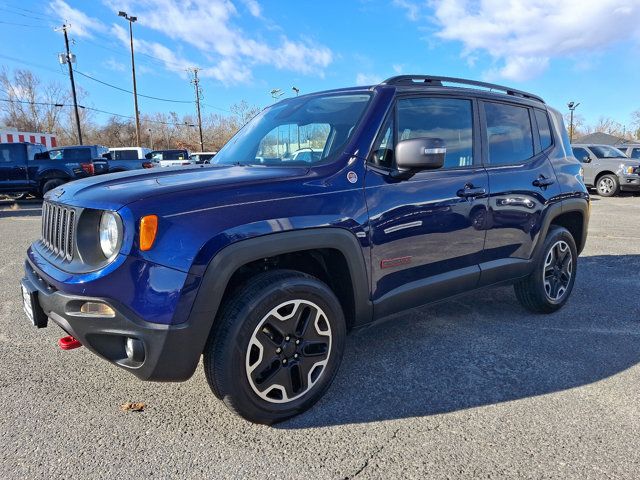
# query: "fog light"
97, 309
134, 349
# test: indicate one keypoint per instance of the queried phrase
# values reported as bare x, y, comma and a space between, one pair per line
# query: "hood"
115, 190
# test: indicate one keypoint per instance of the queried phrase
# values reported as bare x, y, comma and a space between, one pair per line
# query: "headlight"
627, 170
109, 234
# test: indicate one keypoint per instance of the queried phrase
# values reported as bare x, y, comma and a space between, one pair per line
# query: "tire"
550, 284
608, 186
264, 320
50, 185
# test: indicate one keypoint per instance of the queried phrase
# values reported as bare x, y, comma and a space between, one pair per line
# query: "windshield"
607, 152
300, 131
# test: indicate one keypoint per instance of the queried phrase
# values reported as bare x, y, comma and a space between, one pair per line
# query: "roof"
601, 138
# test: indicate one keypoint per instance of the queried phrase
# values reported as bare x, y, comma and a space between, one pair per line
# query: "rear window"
544, 129
12, 153
635, 153
509, 133
124, 154
80, 154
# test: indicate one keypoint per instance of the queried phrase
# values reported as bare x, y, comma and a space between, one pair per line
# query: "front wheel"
608, 186
548, 288
276, 347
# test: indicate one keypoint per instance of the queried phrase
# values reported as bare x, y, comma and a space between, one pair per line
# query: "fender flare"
579, 205
225, 263
51, 174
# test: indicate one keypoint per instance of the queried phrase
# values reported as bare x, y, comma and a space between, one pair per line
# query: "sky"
586, 51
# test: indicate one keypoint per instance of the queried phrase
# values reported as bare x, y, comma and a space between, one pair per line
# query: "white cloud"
254, 7
208, 25
81, 24
367, 79
114, 65
398, 68
524, 35
411, 9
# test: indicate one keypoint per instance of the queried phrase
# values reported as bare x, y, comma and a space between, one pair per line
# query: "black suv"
262, 262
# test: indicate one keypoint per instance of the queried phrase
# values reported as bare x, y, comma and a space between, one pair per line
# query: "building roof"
601, 138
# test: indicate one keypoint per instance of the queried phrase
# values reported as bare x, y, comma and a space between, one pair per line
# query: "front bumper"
629, 183
170, 352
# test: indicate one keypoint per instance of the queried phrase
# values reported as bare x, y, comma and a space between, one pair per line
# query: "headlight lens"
628, 170
109, 234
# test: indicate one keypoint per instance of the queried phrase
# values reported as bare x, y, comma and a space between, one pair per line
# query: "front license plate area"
32, 308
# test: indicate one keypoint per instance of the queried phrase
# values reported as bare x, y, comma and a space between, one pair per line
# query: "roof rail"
437, 82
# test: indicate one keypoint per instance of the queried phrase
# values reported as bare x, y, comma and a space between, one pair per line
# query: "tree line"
29, 104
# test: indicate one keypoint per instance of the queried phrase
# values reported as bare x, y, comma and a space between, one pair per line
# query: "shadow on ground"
485, 349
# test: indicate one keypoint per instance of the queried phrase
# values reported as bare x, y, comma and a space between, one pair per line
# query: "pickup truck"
28, 168
121, 159
93, 154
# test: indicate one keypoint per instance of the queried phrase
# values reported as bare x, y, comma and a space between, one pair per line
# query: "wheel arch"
319, 243
602, 174
572, 214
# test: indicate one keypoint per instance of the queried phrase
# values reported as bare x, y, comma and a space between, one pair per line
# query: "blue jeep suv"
423, 188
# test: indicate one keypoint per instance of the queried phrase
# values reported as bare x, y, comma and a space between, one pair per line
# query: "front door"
426, 231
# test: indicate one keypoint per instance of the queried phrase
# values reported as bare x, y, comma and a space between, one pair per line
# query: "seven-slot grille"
58, 229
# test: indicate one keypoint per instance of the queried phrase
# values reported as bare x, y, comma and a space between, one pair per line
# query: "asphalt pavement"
475, 387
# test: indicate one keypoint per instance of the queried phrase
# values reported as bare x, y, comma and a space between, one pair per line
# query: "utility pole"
68, 60
133, 73
572, 106
196, 85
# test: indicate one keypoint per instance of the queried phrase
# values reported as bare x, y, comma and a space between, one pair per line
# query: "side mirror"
148, 156
420, 154
586, 159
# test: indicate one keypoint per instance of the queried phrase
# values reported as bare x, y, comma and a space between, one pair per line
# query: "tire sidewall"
55, 183
554, 236
614, 191
232, 350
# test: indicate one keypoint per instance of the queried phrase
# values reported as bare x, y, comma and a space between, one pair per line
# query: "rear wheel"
50, 185
548, 288
277, 346
608, 186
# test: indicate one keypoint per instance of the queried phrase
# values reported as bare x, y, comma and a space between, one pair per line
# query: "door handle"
469, 191
543, 182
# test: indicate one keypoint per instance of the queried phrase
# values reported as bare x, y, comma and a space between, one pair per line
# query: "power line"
9, 100
24, 25
129, 91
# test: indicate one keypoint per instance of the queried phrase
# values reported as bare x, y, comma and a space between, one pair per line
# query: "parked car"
202, 157
170, 158
83, 153
263, 267
608, 169
307, 155
26, 168
631, 150
121, 159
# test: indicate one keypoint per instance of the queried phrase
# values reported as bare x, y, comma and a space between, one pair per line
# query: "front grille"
58, 229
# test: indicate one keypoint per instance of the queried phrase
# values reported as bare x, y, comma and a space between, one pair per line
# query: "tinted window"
580, 153
75, 154
603, 151
124, 154
544, 129
448, 119
635, 153
12, 153
510, 138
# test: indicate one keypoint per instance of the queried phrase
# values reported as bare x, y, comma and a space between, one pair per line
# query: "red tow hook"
68, 343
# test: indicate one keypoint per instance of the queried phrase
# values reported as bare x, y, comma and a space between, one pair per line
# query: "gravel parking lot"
475, 387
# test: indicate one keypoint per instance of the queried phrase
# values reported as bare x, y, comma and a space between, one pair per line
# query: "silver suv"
608, 169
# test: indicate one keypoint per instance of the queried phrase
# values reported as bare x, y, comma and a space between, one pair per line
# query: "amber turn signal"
148, 230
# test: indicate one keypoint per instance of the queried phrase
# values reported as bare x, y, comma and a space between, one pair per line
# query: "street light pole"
133, 73
572, 106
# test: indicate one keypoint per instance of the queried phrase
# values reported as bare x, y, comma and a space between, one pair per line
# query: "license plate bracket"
31, 306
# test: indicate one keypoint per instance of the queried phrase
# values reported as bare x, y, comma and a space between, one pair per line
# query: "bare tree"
31, 105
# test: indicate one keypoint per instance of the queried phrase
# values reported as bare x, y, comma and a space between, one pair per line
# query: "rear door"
522, 183
426, 231
13, 167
